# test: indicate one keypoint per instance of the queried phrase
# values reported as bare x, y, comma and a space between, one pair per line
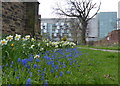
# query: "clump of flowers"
3, 42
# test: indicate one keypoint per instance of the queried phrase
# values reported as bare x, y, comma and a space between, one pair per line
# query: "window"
56, 31
55, 34
45, 31
62, 23
70, 34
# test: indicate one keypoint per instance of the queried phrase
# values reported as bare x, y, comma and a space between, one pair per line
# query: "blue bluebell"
24, 61
19, 59
56, 76
68, 72
61, 73
34, 66
30, 74
37, 60
17, 77
38, 70
46, 83
28, 66
28, 81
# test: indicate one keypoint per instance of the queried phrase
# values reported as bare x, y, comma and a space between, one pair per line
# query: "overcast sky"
45, 7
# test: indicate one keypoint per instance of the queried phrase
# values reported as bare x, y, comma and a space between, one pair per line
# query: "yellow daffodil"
36, 56
3, 42
12, 45
17, 37
27, 37
9, 38
32, 39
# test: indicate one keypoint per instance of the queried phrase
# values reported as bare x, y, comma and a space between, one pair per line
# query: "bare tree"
80, 9
74, 29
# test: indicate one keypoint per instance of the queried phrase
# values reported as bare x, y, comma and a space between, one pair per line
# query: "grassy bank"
103, 67
28, 61
101, 47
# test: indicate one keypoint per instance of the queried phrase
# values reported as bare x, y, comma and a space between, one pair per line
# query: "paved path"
102, 49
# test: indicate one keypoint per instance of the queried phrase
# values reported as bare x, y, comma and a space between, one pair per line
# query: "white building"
55, 28
92, 31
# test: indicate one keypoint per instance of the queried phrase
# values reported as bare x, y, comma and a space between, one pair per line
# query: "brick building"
20, 18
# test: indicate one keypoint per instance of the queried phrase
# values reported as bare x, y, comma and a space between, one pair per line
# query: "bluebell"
28, 81
37, 60
30, 74
24, 61
19, 59
61, 73
34, 66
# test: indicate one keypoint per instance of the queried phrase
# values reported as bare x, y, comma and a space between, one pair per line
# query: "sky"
46, 11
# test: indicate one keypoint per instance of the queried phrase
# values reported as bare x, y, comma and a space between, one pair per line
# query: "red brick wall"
114, 38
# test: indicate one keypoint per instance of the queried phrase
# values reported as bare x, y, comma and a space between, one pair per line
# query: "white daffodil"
37, 56
23, 39
17, 37
9, 38
38, 44
32, 39
41, 49
3, 42
27, 37
32, 46
47, 44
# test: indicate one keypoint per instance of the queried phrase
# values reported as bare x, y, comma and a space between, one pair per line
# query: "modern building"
55, 28
101, 25
107, 22
119, 15
92, 30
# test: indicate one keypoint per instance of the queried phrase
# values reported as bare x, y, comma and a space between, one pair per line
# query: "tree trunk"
83, 33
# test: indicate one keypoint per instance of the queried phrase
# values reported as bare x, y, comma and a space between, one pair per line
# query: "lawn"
28, 61
115, 47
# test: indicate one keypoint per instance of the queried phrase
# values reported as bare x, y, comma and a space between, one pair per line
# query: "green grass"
85, 66
104, 66
101, 47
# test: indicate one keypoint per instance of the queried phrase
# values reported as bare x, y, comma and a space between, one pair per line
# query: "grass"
101, 47
56, 65
87, 67
104, 66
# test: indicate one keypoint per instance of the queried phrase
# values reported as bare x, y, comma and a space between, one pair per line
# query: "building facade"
55, 28
119, 15
107, 22
92, 30
20, 18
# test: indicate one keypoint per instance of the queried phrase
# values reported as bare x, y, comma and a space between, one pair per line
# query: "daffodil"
32, 46
32, 39
9, 38
41, 49
27, 37
23, 39
12, 45
17, 37
3, 42
36, 56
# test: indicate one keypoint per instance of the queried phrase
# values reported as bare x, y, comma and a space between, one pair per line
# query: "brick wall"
20, 18
112, 38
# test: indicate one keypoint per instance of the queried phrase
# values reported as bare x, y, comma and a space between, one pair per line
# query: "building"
55, 28
20, 18
119, 15
107, 22
101, 25
92, 30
